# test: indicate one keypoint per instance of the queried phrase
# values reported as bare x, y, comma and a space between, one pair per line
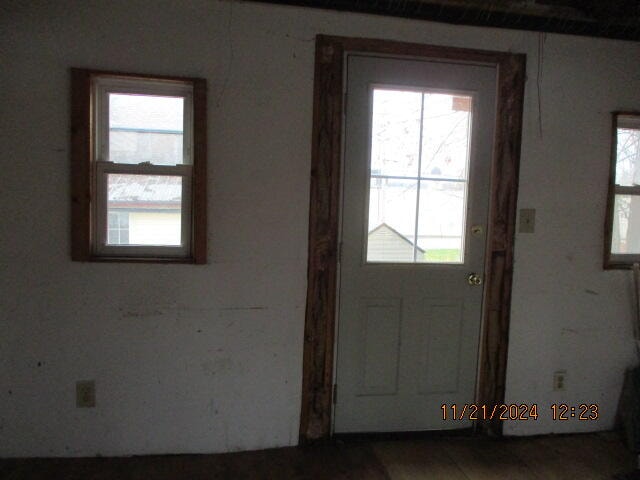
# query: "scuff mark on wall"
569, 330
144, 310
243, 308
217, 366
142, 314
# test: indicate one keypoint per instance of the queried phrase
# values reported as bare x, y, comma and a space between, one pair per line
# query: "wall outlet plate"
559, 380
86, 394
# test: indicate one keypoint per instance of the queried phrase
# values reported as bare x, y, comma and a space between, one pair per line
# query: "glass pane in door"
418, 177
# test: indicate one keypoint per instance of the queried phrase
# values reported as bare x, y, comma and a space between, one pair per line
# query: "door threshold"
413, 435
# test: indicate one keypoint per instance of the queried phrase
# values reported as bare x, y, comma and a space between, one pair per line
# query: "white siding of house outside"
386, 245
154, 228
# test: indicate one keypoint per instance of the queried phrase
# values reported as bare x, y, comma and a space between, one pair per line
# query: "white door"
419, 139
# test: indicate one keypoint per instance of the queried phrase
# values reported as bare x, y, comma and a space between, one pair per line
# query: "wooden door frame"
324, 213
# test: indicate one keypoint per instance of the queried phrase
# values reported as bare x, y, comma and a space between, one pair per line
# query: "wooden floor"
571, 457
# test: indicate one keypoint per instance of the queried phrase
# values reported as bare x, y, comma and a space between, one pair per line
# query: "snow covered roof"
145, 189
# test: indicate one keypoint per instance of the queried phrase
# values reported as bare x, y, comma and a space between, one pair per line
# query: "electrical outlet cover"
559, 379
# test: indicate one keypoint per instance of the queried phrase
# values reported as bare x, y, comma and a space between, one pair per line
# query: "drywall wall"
208, 358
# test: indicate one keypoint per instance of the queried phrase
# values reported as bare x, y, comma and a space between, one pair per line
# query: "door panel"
441, 359
419, 138
381, 320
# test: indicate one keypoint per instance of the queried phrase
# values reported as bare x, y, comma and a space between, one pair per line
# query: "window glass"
441, 221
392, 220
146, 128
153, 206
625, 238
445, 141
628, 157
418, 176
118, 227
395, 132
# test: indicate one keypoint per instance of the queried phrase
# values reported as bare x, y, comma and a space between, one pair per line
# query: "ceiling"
597, 18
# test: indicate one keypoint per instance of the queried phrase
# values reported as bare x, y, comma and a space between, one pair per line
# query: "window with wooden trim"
622, 229
138, 167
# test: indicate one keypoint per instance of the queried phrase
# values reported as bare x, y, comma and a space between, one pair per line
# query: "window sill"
179, 260
619, 264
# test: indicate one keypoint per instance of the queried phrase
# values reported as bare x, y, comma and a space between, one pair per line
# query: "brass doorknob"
474, 279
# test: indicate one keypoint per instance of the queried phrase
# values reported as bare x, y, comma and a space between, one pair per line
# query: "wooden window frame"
84, 188
326, 160
614, 261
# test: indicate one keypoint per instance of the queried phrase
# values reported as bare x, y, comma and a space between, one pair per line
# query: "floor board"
566, 457
485, 459
418, 460
547, 463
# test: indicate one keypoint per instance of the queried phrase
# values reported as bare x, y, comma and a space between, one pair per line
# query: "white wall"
208, 358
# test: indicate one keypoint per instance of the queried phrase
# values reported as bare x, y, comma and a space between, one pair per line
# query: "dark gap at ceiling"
618, 19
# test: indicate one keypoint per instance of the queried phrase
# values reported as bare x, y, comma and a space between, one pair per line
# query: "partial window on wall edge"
622, 227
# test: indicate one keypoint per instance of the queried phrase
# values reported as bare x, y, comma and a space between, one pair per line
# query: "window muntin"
419, 167
624, 203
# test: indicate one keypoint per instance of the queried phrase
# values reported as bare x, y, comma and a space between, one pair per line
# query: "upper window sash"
104, 86
622, 123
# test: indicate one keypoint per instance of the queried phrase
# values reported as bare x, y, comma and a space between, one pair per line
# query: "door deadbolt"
474, 279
